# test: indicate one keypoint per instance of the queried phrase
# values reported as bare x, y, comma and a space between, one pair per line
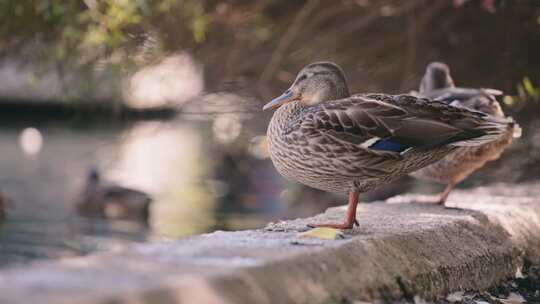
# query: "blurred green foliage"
258, 45
527, 90
92, 29
199, 21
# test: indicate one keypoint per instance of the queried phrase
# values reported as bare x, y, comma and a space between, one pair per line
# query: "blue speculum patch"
388, 145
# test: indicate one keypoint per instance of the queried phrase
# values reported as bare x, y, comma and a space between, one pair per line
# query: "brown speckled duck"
326, 139
438, 84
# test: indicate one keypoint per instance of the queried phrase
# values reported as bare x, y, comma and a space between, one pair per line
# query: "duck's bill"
278, 101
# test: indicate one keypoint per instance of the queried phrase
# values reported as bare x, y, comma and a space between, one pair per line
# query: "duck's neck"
435, 80
284, 115
290, 110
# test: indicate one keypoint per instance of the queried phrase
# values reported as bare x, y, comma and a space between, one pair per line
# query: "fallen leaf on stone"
455, 297
513, 298
323, 233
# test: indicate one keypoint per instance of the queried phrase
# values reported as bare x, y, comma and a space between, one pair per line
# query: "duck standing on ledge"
326, 139
437, 84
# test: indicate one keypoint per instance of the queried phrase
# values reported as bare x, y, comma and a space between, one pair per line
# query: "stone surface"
399, 249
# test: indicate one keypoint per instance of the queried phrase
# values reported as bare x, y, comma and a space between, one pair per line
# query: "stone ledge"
399, 249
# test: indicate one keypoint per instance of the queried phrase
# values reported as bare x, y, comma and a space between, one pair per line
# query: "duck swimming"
323, 137
107, 200
438, 84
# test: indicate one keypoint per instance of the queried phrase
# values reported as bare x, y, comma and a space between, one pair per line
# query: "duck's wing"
483, 100
450, 94
393, 123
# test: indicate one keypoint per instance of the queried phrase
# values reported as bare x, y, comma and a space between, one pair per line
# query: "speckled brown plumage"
326, 139
320, 146
438, 84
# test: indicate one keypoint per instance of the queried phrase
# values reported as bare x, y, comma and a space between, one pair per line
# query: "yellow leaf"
323, 233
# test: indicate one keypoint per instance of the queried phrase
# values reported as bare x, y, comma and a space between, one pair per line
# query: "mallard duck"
325, 138
112, 201
437, 84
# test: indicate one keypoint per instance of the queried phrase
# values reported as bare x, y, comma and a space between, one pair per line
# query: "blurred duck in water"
437, 84
327, 139
107, 200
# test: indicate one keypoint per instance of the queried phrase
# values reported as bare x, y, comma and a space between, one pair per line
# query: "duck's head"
317, 82
437, 77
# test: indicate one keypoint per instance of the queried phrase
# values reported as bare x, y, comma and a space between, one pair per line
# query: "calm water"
205, 172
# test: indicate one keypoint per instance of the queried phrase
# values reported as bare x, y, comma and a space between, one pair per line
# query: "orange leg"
445, 193
350, 219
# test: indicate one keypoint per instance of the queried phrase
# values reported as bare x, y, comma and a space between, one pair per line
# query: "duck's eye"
304, 76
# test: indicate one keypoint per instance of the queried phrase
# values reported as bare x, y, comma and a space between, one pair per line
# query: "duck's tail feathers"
490, 130
493, 92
